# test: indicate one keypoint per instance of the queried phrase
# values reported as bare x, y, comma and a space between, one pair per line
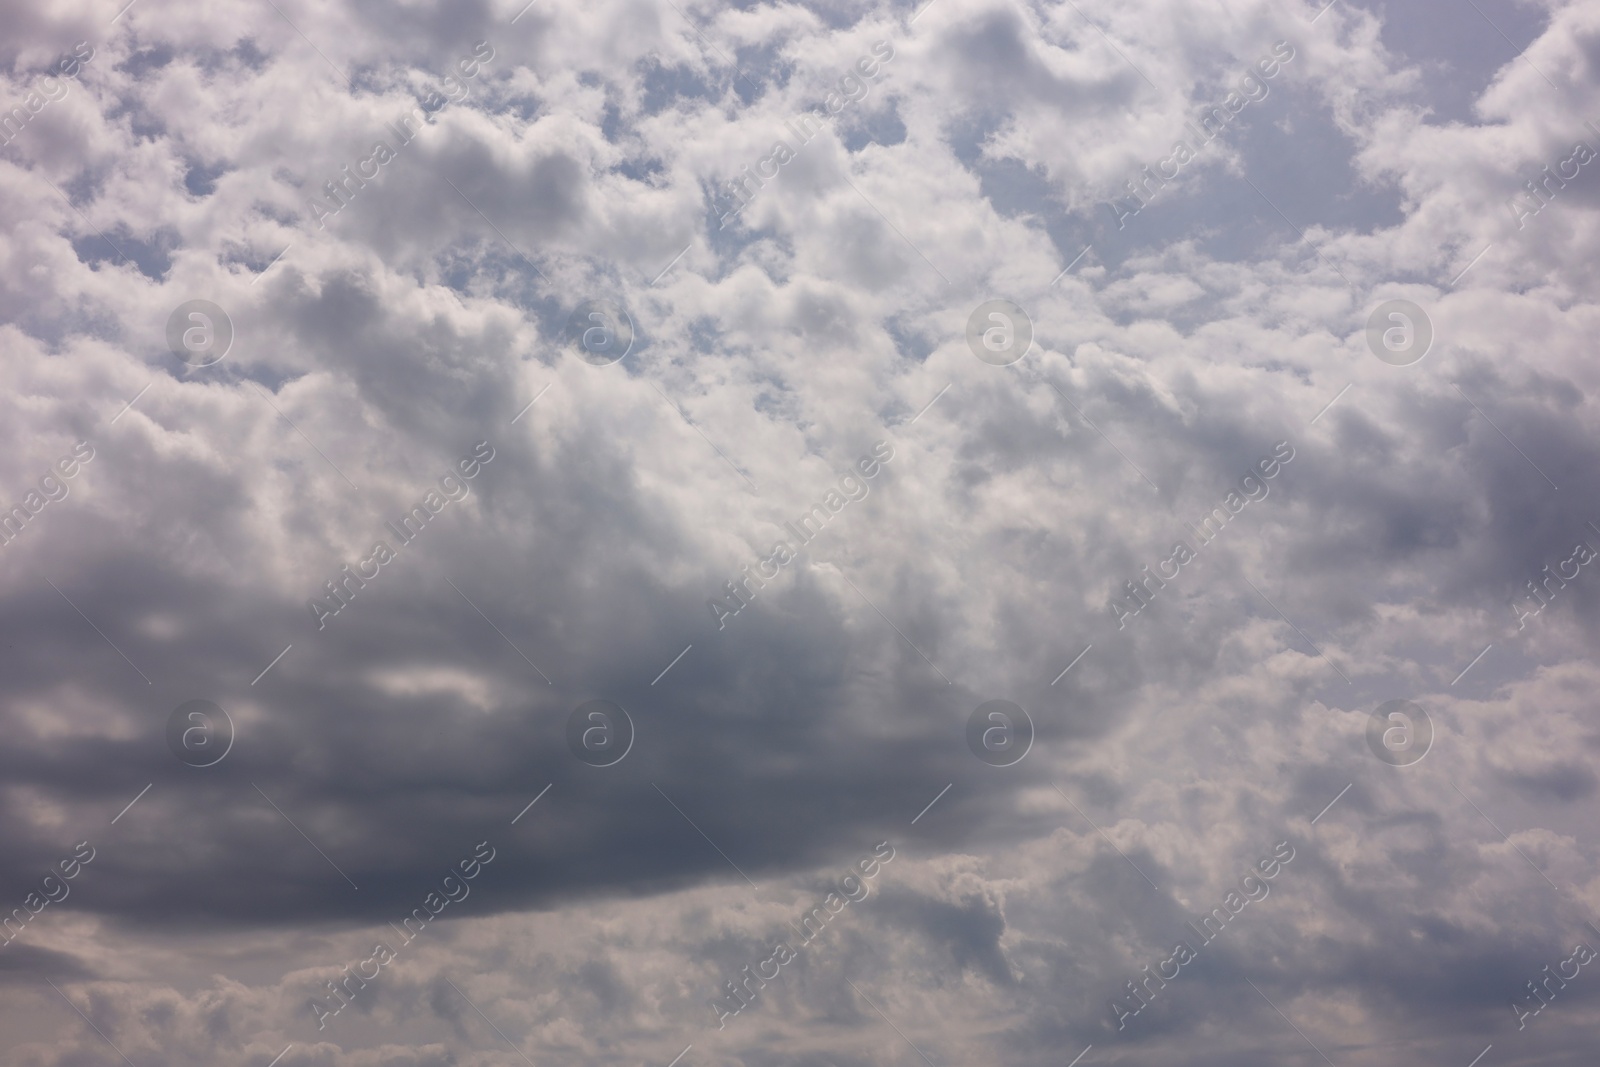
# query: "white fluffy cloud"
989, 156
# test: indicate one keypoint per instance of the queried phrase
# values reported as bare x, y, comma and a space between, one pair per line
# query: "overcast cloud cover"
817, 349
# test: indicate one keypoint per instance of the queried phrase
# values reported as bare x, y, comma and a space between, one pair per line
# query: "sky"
799, 534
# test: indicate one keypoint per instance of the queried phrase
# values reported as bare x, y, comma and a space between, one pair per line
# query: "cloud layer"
526, 336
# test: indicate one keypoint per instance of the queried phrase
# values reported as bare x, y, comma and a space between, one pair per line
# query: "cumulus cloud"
402, 223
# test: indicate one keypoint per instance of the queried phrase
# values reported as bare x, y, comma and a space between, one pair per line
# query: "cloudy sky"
579, 476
